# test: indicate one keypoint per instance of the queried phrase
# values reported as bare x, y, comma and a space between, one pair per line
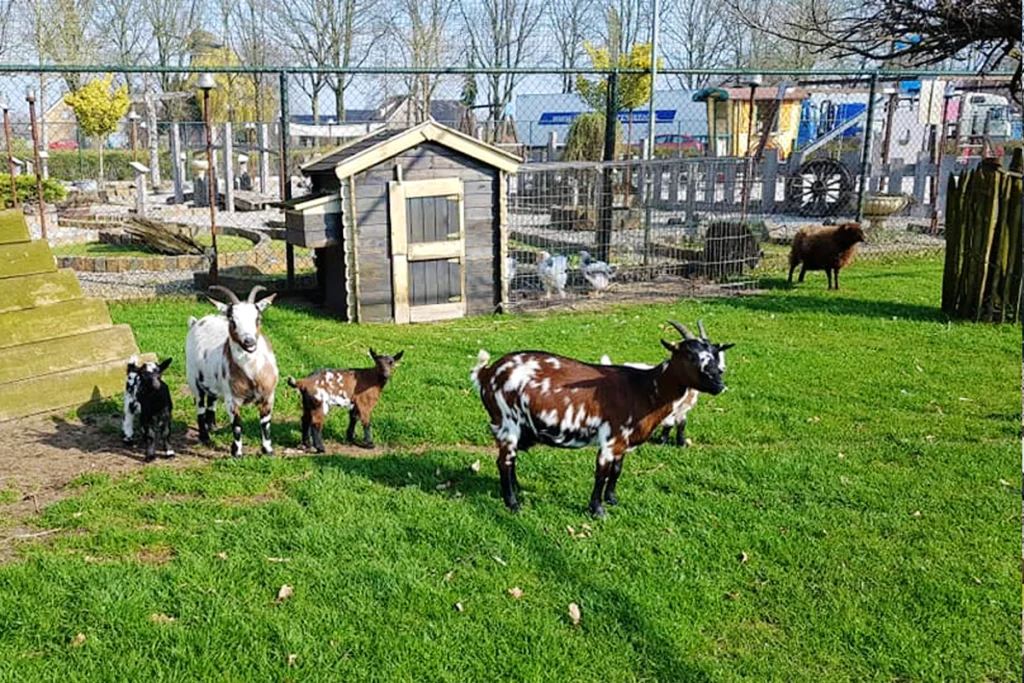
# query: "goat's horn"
681, 329
228, 292
254, 291
700, 326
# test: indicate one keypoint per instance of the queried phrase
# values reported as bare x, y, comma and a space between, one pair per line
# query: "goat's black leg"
211, 412
165, 435
613, 479
600, 479
150, 436
307, 423
837, 278
266, 414
367, 436
201, 419
353, 418
665, 433
681, 433
803, 271
236, 431
506, 471
828, 274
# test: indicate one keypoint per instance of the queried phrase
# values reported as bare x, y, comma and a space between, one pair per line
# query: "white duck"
553, 272
598, 273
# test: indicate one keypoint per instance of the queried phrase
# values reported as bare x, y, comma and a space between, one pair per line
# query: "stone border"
258, 255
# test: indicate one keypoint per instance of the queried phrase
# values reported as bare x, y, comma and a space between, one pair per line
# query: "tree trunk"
100, 181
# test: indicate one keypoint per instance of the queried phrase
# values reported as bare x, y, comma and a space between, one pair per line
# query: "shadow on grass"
833, 303
482, 492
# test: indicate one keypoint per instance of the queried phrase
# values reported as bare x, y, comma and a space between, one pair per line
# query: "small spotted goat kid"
538, 397
227, 357
357, 390
148, 400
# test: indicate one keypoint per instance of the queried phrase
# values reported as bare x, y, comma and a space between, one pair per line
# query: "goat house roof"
362, 153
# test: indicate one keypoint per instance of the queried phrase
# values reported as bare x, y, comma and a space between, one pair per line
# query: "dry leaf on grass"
160, 618
743, 558
574, 614
515, 592
915, 513
733, 596
1003, 482
279, 559
222, 556
459, 607
500, 561
77, 640
284, 592
291, 659
475, 467
449, 576
443, 485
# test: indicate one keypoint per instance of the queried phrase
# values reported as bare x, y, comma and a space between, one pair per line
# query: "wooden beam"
502, 239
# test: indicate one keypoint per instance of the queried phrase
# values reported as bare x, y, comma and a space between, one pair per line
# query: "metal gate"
428, 249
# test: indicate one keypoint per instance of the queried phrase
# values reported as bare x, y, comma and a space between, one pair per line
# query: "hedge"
53, 190
71, 164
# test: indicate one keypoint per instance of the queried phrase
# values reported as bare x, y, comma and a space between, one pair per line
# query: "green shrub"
53, 190
73, 164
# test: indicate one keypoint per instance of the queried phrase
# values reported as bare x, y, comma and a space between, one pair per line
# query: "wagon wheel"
822, 187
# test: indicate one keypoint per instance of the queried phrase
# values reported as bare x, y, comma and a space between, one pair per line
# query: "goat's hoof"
598, 511
368, 445
127, 441
150, 457
168, 454
512, 505
610, 499
320, 449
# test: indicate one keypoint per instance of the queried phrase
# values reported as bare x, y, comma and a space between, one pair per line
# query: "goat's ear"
163, 366
398, 356
672, 348
222, 307
262, 304
373, 354
133, 364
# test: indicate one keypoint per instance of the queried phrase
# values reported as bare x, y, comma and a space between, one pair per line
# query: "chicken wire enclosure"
664, 228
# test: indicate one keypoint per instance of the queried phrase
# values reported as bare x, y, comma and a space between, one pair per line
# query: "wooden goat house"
538, 397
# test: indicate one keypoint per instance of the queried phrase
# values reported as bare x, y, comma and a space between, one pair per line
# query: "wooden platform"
57, 349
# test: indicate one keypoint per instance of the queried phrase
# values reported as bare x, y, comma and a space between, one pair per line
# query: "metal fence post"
865, 157
611, 119
286, 178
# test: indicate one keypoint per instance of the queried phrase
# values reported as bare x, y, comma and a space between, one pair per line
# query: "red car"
677, 144
63, 144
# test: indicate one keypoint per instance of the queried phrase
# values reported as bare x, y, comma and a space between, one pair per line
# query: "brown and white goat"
824, 247
227, 357
537, 397
355, 389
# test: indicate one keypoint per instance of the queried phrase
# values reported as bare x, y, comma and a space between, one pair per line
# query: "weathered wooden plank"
38, 290
13, 227
921, 173
25, 258
769, 178
895, 176
55, 320
65, 353
64, 389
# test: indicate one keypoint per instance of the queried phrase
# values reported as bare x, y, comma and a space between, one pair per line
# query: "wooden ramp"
57, 349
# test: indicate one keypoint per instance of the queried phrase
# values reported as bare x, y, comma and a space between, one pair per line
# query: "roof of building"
362, 153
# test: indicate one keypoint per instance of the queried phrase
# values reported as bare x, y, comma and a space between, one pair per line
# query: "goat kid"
538, 397
355, 389
227, 357
148, 400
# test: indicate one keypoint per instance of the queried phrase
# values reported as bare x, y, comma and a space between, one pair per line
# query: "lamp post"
30, 97
206, 83
5, 105
752, 81
133, 133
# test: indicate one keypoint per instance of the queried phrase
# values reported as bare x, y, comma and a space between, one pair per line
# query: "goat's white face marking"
246, 318
705, 358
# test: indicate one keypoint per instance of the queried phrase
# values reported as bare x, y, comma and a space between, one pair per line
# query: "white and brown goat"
227, 357
357, 390
538, 397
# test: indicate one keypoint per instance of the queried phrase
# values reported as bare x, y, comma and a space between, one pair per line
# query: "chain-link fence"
703, 200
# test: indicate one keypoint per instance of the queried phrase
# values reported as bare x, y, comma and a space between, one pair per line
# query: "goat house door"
428, 249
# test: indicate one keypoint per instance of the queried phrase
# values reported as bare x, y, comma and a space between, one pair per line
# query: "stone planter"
878, 207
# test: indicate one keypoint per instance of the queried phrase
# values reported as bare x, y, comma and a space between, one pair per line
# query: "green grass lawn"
849, 512
225, 244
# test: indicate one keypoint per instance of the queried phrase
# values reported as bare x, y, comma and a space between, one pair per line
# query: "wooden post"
769, 175
954, 236
262, 137
177, 167
229, 169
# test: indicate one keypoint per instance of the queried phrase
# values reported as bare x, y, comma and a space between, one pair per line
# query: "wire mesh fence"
699, 192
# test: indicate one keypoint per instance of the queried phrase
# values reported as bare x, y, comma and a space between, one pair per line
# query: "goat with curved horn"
700, 327
231, 295
254, 291
681, 329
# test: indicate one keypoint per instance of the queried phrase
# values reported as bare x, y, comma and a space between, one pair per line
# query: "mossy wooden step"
42, 289
25, 258
13, 227
54, 320
66, 353
72, 388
